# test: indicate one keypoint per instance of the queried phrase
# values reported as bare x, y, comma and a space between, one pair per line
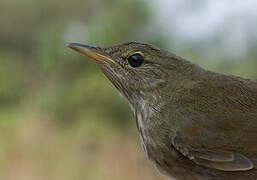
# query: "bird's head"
137, 70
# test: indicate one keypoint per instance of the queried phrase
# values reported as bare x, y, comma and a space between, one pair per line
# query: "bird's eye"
135, 60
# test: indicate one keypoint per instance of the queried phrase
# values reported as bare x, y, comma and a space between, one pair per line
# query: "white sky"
199, 18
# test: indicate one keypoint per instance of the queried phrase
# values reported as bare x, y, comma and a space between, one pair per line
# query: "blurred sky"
195, 21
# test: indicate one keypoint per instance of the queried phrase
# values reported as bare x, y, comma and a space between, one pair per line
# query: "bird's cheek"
152, 83
145, 84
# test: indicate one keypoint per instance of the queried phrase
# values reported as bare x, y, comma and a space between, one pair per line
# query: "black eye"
136, 60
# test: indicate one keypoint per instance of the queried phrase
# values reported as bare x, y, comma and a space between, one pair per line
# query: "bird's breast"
151, 142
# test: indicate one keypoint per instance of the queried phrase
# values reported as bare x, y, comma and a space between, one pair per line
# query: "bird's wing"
216, 159
220, 130
222, 161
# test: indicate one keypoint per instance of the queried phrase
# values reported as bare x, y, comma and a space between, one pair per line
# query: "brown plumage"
194, 124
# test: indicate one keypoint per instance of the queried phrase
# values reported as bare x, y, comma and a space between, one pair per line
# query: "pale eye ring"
135, 60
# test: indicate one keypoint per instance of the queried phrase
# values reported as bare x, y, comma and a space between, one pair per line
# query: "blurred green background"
60, 118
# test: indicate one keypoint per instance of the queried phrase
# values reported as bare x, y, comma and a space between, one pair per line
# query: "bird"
194, 124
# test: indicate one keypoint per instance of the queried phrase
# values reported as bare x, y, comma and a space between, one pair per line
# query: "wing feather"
214, 160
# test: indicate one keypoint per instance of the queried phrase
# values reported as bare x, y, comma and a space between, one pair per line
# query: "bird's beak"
90, 51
